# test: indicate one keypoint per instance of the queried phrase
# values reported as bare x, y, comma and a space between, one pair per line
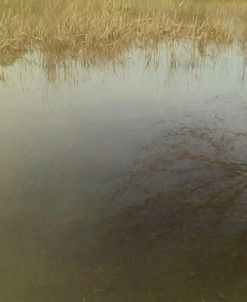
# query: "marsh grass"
99, 31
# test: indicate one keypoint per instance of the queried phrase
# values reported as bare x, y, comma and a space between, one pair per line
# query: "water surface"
124, 183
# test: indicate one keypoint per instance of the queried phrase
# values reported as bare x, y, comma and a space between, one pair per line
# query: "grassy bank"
101, 30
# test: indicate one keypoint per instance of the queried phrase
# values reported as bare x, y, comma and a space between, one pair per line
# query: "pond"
125, 182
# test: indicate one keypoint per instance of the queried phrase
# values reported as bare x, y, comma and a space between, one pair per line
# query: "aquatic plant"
92, 31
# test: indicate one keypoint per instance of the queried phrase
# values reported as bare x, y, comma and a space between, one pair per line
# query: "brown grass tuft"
100, 30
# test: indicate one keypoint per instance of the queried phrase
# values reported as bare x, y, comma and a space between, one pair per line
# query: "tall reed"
103, 29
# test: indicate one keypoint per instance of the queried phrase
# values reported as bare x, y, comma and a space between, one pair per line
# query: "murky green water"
124, 185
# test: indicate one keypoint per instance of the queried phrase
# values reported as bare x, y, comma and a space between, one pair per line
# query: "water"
125, 183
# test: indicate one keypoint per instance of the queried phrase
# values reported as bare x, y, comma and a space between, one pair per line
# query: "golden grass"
99, 30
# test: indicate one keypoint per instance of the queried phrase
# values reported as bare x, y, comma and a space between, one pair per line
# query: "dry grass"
100, 30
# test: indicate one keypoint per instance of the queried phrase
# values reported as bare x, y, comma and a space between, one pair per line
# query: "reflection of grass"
2, 77
99, 30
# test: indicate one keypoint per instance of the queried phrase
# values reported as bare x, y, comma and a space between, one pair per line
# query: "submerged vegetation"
99, 30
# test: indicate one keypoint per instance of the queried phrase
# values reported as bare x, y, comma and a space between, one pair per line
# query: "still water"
125, 183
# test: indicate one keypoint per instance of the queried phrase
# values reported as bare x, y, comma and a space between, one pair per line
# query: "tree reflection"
184, 215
